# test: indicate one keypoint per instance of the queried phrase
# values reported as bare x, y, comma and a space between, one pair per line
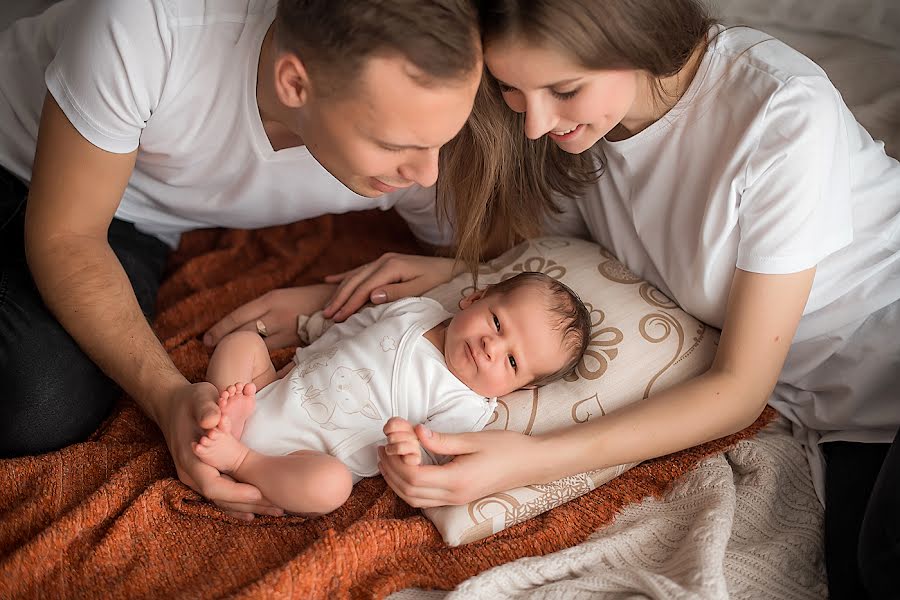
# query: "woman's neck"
656, 97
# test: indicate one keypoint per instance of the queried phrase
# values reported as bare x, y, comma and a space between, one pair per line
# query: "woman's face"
574, 106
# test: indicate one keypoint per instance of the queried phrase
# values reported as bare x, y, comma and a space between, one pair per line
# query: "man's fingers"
242, 516
206, 412
219, 489
282, 339
239, 318
262, 508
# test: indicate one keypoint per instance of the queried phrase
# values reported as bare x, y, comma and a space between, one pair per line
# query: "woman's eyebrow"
564, 82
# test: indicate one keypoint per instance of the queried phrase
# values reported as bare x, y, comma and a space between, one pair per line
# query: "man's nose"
422, 167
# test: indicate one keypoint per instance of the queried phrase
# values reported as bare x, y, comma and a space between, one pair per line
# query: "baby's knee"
330, 486
244, 340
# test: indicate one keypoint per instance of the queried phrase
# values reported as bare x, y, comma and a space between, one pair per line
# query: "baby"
313, 428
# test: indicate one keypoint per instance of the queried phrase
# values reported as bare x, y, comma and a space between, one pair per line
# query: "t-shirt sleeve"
796, 207
110, 70
418, 207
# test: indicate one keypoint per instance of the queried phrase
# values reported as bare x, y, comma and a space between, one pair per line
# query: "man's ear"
292, 82
470, 299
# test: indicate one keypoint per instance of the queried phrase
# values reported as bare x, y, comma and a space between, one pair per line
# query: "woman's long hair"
497, 186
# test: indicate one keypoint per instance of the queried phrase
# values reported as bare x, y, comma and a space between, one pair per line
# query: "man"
146, 119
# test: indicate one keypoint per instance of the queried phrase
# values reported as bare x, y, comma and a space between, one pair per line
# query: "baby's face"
502, 342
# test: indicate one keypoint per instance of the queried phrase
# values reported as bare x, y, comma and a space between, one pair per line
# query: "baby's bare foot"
220, 449
237, 403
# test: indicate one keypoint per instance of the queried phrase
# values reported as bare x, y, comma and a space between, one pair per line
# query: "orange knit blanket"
108, 517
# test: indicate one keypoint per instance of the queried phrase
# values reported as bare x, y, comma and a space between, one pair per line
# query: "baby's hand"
402, 441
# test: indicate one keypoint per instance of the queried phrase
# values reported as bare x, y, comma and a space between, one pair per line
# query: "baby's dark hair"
572, 317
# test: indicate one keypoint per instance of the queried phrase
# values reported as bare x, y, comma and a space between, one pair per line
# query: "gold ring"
261, 328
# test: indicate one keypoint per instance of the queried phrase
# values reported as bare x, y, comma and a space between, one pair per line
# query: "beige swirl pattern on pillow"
641, 343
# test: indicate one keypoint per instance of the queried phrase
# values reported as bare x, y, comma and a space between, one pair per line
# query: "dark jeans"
862, 520
53, 394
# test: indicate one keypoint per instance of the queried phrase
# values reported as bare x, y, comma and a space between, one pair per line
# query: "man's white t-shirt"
761, 166
176, 79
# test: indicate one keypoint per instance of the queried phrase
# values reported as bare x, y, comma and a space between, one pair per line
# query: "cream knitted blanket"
743, 524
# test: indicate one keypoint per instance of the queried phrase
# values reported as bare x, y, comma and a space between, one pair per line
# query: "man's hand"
277, 310
192, 410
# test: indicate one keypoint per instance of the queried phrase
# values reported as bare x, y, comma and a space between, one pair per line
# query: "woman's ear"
470, 299
292, 84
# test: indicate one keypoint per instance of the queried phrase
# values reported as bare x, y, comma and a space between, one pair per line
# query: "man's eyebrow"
400, 146
564, 82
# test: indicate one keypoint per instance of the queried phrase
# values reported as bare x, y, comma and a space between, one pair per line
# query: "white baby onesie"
359, 374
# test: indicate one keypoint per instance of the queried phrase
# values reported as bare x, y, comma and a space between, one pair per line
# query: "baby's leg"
305, 482
240, 357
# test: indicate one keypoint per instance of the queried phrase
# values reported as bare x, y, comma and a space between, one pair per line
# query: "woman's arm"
761, 318
390, 277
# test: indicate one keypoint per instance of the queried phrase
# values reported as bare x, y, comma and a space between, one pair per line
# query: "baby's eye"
496, 322
512, 362
506, 88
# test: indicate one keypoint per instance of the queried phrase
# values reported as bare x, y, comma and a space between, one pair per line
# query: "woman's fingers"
448, 444
354, 290
421, 493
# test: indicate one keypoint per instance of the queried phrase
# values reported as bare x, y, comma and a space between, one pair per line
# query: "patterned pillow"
641, 343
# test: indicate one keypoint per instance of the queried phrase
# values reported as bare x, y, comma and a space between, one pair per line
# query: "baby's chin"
487, 393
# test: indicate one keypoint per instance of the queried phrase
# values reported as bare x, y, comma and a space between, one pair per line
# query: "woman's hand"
484, 462
277, 311
390, 277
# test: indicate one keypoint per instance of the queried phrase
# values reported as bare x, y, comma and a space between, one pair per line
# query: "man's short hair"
334, 38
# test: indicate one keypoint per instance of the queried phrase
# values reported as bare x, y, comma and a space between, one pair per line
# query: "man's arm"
75, 190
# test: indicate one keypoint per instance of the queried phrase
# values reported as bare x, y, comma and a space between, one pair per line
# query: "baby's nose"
489, 345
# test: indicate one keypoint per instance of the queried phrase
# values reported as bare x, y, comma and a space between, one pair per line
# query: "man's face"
386, 133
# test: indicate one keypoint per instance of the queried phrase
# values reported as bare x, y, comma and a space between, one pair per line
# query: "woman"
724, 168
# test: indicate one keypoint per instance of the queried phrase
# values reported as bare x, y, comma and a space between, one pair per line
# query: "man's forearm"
86, 288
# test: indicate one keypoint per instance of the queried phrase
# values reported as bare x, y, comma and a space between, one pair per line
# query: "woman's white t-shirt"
176, 79
761, 166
